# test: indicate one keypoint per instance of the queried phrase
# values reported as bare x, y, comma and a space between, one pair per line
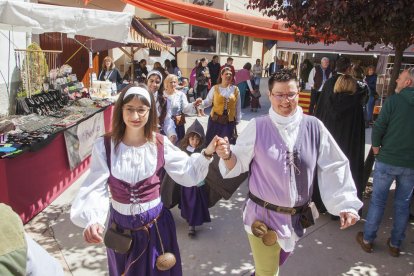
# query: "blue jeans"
384, 175
370, 107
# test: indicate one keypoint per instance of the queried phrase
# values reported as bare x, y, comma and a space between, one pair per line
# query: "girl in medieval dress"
125, 171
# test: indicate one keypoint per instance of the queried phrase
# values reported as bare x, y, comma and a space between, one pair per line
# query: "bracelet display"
229, 157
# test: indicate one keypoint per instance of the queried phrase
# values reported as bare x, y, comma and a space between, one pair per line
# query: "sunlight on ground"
226, 204
362, 269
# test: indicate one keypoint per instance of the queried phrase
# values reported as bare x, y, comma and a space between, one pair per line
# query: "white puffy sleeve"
243, 150
337, 188
188, 108
208, 101
183, 169
91, 204
169, 125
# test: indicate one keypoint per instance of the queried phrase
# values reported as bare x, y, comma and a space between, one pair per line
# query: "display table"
31, 181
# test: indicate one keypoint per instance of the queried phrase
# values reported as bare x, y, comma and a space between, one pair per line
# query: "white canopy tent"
40, 18
342, 47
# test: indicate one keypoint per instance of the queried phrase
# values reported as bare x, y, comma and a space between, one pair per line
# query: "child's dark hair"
185, 142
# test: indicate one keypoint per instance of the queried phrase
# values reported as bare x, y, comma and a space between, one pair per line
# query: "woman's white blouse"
130, 164
169, 126
225, 92
177, 103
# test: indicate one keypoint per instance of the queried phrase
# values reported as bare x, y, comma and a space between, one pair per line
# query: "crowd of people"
319, 157
297, 164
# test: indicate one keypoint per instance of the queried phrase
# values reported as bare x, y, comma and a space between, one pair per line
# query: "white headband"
154, 72
138, 91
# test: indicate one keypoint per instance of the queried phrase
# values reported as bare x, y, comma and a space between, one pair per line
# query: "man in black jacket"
214, 69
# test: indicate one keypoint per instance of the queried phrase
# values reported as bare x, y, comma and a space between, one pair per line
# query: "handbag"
118, 240
179, 120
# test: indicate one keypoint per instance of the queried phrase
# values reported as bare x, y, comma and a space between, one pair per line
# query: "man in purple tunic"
289, 149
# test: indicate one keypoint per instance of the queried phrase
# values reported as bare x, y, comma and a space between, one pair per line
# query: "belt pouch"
306, 217
118, 240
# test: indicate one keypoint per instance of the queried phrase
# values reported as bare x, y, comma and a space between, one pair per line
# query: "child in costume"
128, 164
194, 200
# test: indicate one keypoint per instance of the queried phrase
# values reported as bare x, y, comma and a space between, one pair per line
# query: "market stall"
46, 145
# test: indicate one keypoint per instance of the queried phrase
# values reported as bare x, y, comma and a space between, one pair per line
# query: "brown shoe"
394, 251
367, 247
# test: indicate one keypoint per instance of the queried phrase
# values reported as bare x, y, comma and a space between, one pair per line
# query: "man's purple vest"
271, 174
143, 191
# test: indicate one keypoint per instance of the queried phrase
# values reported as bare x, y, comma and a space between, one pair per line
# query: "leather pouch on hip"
221, 119
118, 240
306, 217
179, 120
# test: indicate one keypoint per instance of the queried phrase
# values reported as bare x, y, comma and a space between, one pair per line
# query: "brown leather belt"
148, 225
285, 210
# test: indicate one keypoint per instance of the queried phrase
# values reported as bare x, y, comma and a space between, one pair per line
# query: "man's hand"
347, 219
93, 233
375, 150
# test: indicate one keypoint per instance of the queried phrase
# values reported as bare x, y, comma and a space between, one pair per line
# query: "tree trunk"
399, 50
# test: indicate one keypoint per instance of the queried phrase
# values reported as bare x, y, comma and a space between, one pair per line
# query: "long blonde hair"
345, 83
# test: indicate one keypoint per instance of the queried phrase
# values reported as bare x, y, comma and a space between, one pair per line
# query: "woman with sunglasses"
128, 164
283, 152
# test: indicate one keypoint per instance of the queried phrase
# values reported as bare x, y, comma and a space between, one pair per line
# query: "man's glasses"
280, 96
141, 111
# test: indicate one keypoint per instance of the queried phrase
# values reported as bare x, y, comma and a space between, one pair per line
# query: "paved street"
221, 247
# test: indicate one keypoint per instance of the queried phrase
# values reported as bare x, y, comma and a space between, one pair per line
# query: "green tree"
365, 22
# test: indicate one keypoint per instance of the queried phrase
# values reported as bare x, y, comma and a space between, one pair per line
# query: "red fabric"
31, 181
223, 21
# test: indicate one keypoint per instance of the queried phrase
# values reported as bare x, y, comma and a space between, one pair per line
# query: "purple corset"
143, 191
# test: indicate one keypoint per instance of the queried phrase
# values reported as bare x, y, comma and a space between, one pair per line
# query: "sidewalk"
221, 247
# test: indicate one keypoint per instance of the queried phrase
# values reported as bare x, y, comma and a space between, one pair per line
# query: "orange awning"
223, 21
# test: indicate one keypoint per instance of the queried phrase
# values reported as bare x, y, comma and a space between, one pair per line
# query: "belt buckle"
286, 210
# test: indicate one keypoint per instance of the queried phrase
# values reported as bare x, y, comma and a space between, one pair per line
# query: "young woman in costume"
125, 171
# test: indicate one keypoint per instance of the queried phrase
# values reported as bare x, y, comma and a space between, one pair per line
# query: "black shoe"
411, 218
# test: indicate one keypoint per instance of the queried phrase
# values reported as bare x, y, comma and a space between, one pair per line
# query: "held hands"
93, 233
347, 219
198, 101
223, 147
211, 148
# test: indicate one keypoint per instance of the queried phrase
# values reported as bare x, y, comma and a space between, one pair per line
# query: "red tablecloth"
31, 181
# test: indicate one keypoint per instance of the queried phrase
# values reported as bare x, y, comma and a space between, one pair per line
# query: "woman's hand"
93, 233
198, 101
223, 147
173, 138
211, 148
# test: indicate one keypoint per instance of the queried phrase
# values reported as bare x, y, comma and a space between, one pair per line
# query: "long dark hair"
162, 101
118, 124
185, 142
220, 80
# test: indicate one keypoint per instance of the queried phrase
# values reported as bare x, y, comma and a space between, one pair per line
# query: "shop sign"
79, 139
